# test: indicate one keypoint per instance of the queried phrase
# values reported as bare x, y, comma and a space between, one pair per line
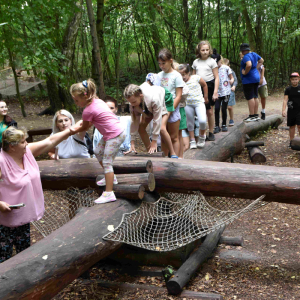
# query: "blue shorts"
231, 101
175, 116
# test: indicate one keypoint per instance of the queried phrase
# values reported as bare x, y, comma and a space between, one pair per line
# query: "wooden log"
145, 287
254, 144
184, 176
256, 155
295, 143
232, 241
155, 154
129, 191
64, 173
190, 266
45, 268
233, 142
147, 180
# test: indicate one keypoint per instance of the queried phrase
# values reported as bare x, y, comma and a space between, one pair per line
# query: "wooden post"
256, 155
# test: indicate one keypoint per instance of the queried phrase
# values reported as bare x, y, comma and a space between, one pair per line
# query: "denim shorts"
231, 101
185, 132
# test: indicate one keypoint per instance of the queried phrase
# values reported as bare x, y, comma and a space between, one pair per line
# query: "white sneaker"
250, 119
106, 197
193, 144
201, 142
102, 182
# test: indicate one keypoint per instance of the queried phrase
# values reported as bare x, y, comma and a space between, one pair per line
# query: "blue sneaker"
231, 123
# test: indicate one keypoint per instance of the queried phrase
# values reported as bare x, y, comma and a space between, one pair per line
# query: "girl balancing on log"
146, 103
97, 113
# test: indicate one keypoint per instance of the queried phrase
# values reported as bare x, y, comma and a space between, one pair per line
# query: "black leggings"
224, 102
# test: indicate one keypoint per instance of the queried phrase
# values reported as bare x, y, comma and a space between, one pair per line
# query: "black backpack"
89, 143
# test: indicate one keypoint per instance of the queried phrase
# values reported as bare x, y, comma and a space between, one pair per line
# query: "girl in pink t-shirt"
97, 113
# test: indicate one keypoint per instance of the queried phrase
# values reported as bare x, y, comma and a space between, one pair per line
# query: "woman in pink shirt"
20, 182
97, 113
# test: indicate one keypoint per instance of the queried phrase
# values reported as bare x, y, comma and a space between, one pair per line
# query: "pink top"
21, 186
103, 119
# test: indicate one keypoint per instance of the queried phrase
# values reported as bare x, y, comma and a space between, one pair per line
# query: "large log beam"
45, 268
233, 143
211, 178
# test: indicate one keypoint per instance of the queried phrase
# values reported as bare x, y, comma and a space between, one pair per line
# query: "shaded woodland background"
116, 42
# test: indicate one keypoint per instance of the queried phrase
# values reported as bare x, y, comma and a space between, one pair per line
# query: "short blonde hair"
132, 89
85, 88
198, 48
12, 136
226, 61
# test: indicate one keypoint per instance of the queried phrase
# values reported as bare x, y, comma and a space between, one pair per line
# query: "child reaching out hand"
97, 113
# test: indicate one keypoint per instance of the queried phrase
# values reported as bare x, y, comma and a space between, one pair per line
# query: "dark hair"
164, 54
216, 56
185, 68
111, 99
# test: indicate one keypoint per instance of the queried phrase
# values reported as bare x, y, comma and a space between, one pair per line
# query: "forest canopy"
116, 42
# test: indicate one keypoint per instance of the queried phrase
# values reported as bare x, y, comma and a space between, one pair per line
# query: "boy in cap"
292, 101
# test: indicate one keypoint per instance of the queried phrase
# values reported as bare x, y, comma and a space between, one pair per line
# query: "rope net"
176, 220
63, 208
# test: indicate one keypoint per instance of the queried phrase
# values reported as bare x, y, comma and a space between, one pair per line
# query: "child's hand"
215, 96
206, 100
233, 88
261, 81
132, 148
4, 207
243, 72
153, 147
284, 113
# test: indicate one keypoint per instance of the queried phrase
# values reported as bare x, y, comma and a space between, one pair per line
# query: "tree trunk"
256, 155
44, 269
250, 31
97, 68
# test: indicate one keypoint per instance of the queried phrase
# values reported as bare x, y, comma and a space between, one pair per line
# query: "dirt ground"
266, 267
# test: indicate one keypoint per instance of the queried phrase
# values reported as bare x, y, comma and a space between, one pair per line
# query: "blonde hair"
61, 112
221, 60
12, 136
226, 61
175, 65
85, 88
135, 90
198, 48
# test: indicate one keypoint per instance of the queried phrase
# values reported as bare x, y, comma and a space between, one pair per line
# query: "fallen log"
190, 266
140, 154
233, 142
147, 180
129, 191
82, 172
45, 268
254, 144
232, 241
256, 155
211, 178
295, 143
129, 286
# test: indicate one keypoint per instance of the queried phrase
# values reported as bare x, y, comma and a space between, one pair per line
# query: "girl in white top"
146, 103
172, 80
195, 104
207, 68
74, 146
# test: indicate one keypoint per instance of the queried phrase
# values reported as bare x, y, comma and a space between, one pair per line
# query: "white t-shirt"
71, 149
204, 68
224, 85
195, 93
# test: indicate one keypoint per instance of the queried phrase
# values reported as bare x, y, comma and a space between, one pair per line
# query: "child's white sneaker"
201, 142
193, 144
102, 182
106, 197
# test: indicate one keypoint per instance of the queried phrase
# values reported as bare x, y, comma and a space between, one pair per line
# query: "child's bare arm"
284, 105
80, 126
205, 89
262, 74
231, 81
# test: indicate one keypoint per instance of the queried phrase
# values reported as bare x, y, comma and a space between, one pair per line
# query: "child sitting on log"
97, 113
292, 102
146, 103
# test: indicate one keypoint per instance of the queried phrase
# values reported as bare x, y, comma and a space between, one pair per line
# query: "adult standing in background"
5, 120
250, 79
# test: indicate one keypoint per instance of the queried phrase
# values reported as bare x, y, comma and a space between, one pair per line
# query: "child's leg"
230, 110
256, 103
217, 112
201, 115
111, 149
186, 140
251, 106
292, 131
224, 110
166, 137
190, 120
173, 129
143, 133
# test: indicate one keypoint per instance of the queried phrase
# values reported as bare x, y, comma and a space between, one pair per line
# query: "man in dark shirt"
292, 102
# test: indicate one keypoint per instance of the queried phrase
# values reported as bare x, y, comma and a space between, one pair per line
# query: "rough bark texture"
229, 144
45, 268
295, 143
256, 155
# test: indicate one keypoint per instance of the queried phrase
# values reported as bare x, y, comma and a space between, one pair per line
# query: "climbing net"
61, 210
176, 220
